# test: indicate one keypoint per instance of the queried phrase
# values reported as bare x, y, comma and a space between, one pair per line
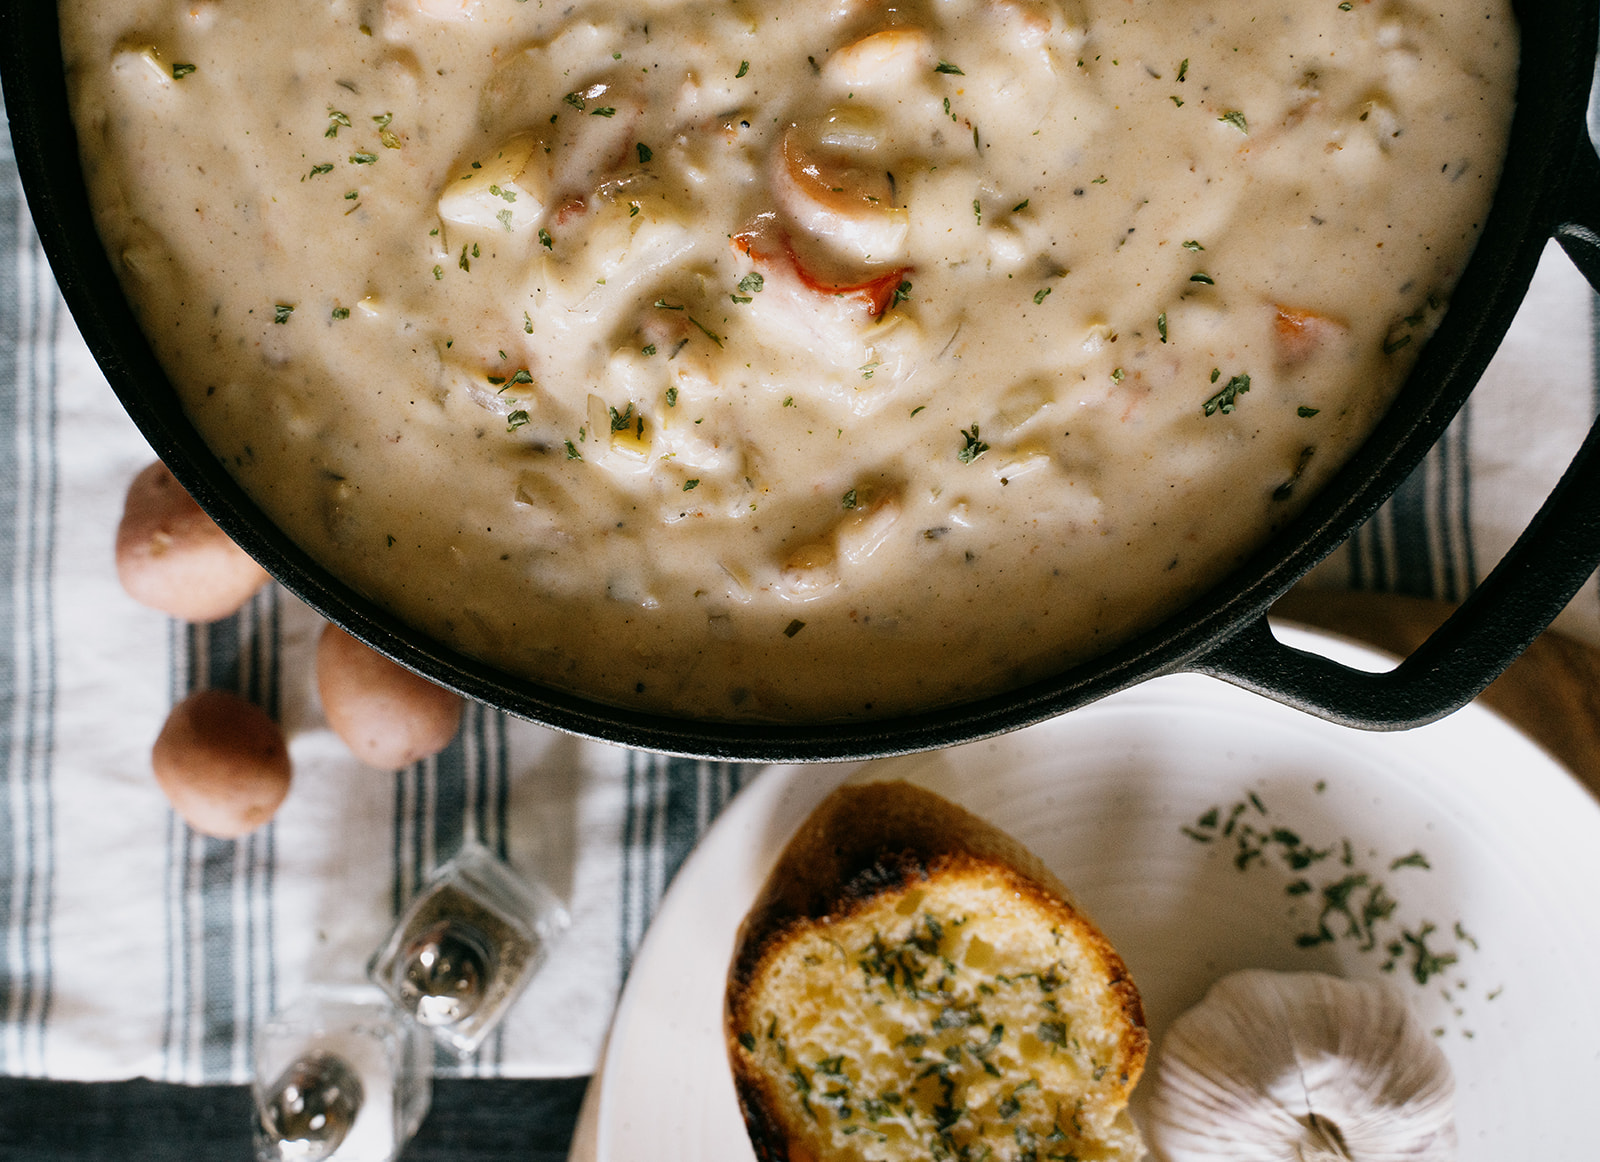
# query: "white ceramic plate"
1103, 795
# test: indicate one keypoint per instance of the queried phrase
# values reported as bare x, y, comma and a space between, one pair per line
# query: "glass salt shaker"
339, 1077
466, 947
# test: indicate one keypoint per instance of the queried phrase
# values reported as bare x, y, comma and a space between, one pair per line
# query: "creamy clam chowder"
787, 359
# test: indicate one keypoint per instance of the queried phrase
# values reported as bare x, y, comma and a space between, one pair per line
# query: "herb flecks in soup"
788, 360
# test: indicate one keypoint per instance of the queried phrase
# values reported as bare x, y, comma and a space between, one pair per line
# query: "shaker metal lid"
444, 973
309, 1110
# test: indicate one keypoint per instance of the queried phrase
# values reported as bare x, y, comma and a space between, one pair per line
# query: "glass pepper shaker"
339, 1077
466, 947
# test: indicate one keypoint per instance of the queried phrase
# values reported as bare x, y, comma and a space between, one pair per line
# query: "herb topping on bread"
914, 984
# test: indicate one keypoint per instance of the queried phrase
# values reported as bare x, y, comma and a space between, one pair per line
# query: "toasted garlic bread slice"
913, 984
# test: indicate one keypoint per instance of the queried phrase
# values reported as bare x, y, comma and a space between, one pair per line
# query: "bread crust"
865, 841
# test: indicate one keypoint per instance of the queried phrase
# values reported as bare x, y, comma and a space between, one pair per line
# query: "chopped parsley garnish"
644, 152
947, 67
325, 167
1305, 413
545, 240
1236, 119
1183, 70
1393, 345
744, 67
572, 451
335, 120
438, 272
527, 322
1201, 276
650, 349
575, 100
672, 397
623, 420
688, 485
706, 331
1020, 206
1227, 399
281, 312
849, 499
1039, 296
1353, 905
972, 447
901, 293
1161, 325
751, 283
1191, 244
363, 158
516, 419
386, 135
1425, 963
1117, 375
505, 219
793, 627
181, 70
604, 111
341, 312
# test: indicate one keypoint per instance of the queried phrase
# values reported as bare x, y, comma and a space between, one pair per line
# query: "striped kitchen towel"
131, 946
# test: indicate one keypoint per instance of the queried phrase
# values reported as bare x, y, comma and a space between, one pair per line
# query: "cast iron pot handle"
1546, 566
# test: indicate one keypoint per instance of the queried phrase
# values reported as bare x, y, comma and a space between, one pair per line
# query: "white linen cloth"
130, 946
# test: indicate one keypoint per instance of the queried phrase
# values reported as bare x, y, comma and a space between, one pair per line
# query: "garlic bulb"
1301, 1067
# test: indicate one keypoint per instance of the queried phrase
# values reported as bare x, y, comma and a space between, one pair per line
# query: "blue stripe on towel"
29, 307
1411, 516
1461, 550
1594, 345
220, 916
671, 803
1420, 542
439, 804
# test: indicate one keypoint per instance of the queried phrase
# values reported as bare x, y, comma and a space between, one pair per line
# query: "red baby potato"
171, 556
222, 762
387, 716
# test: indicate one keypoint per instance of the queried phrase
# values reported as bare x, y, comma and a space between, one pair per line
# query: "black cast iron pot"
1551, 188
